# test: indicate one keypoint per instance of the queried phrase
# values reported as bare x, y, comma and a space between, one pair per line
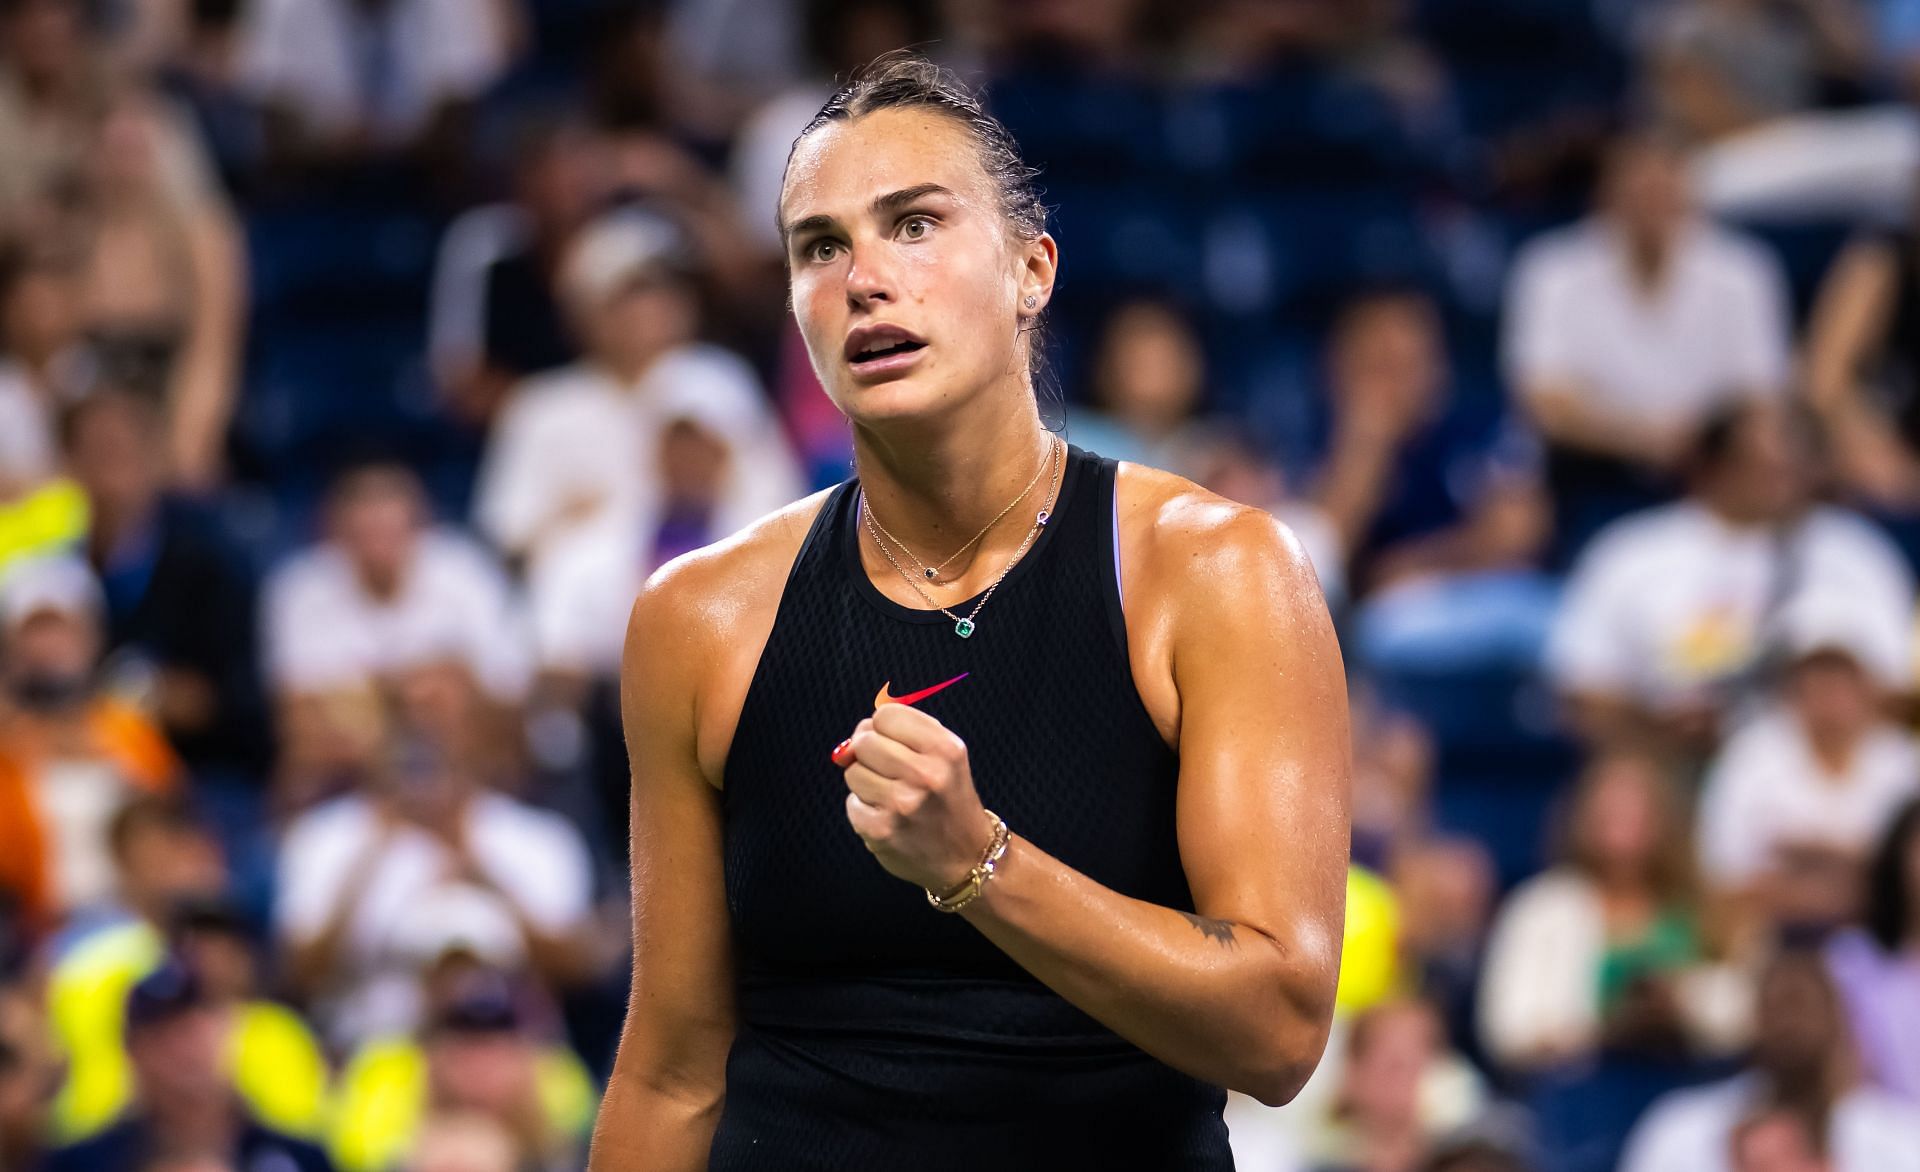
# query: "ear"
1039, 263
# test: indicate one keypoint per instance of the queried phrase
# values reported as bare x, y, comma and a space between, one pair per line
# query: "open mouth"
880, 353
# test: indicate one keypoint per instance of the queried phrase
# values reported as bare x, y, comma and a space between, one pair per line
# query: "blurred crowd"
359, 358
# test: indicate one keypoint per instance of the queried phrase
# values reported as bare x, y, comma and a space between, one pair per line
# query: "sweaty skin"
1228, 638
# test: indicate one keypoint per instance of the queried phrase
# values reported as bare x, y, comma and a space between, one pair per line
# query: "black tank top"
875, 1032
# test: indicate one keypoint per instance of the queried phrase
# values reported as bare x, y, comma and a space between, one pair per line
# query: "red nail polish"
843, 753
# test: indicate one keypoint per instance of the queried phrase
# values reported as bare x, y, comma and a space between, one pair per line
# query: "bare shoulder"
700, 622
1189, 544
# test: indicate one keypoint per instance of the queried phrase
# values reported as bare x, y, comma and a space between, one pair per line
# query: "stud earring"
1032, 301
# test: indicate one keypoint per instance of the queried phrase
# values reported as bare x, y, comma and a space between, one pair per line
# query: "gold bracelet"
969, 888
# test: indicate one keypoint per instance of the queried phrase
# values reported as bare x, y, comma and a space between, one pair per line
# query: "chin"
894, 400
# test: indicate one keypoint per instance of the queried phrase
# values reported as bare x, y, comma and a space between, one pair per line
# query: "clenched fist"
911, 797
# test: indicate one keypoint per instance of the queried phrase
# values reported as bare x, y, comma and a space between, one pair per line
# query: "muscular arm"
1241, 658
663, 1099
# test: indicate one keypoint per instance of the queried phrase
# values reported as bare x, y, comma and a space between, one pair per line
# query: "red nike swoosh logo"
882, 698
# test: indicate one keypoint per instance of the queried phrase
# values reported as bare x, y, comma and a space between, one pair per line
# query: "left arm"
1239, 993
200, 401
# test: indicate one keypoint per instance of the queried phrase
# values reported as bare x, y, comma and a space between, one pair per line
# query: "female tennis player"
989, 810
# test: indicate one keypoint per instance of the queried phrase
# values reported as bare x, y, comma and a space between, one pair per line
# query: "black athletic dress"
875, 1033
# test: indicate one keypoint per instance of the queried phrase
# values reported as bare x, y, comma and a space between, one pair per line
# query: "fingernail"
843, 753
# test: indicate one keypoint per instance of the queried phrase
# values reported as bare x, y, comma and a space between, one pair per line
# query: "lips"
882, 349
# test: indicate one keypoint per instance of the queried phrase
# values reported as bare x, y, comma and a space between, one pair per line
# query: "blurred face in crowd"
28, 1071
223, 959
1391, 1050
463, 1142
43, 39
1151, 369
181, 1060
561, 180
1776, 1142
123, 161
114, 451
486, 1071
1644, 191
376, 517
1799, 1028
1620, 818
440, 703
162, 865
631, 327
1766, 474
1834, 696
41, 315
892, 221
49, 659
693, 463
1388, 356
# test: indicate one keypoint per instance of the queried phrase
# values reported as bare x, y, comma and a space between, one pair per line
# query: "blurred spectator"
374, 884
576, 450
350, 78
176, 1041
1612, 947
180, 598
1779, 1140
162, 287
1625, 332
1417, 487
383, 592
171, 886
478, 1058
1669, 612
1149, 376
1722, 66
582, 587
1877, 966
43, 365
1863, 365
29, 1072
54, 90
70, 754
496, 316
1798, 797
1800, 1062
1401, 1089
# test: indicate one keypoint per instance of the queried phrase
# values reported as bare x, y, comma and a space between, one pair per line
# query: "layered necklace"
965, 625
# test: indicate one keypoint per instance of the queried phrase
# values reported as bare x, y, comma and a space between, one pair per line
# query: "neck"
1833, 747
934, 485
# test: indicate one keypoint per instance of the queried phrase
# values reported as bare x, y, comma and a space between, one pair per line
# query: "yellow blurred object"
383, 1101
1370, 952
276, 1062
42, 521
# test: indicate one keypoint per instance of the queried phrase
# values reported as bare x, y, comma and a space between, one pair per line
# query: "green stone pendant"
963, 628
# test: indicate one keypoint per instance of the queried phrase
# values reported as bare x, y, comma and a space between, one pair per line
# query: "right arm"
664, 1098
1848, 325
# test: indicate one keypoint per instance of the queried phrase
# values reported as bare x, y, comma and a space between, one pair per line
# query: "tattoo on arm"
1213, 929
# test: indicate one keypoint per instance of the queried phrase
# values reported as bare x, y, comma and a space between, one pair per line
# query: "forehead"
838, 169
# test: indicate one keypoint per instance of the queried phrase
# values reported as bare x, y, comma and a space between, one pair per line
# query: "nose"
869, 280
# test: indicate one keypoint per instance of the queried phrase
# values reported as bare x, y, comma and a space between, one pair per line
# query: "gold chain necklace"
964, 626
932, 573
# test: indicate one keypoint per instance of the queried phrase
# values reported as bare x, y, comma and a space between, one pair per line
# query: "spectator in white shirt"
1801, 1061
349, 74
1625, 331
382, 593
577, 449
1798, 797
376, 885
1668, 611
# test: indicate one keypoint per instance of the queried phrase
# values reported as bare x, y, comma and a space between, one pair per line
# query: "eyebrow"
891, 201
